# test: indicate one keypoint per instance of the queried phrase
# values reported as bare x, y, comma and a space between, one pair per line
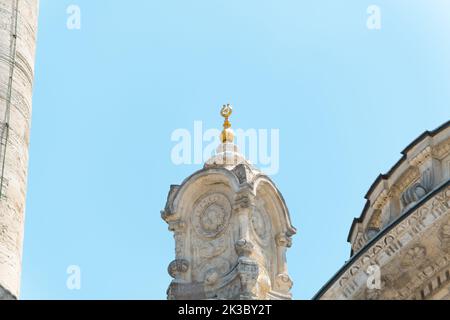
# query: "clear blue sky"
107, 97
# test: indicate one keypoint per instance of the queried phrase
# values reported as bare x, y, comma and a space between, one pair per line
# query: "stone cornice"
386, 244
410, 174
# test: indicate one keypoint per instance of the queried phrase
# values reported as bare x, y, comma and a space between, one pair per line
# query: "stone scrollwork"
211, 215
178, 267
409, 253
283, 282
282, 240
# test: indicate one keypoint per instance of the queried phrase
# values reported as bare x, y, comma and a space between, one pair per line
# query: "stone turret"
18, 23
231, 228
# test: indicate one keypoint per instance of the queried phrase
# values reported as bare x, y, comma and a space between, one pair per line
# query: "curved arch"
217, 174
265, 184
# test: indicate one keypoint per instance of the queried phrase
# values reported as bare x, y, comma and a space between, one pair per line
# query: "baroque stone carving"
211, 215
244, 173
213, 269
414, 256
244, 247
401, 244
248, 274
260, 225
444, 236
419, 189
284, 282
177, 267
211, 248
226, 244
282, 240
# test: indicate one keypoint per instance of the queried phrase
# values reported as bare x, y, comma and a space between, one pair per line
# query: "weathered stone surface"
18, 23
231, 229
404, 231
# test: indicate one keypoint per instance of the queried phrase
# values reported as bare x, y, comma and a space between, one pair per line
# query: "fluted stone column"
18, 24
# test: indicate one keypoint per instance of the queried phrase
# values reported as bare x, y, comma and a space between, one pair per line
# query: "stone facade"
18, 23
404, 230
232, 229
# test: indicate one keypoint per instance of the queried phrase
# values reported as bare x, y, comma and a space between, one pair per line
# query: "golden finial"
227, 135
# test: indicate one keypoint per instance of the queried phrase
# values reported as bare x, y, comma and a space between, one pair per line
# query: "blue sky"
107, 98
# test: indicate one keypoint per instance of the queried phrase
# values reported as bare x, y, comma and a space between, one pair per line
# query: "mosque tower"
231, 227
18, 24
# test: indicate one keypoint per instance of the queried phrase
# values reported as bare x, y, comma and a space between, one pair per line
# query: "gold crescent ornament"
227, 135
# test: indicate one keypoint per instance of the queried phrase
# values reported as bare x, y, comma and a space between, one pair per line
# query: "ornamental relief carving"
178, 267
211, 248
261, 225
211, 215
415, 258
442, 149
231, 291
444, 237
419, 189
212, 270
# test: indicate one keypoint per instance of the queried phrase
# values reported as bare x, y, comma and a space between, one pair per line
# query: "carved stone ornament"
244, 247
214, 269
211, 215
248, 274
414, 256
260, 225
244, 173
444, 237
419, 189
283, 282
178, 267
282, 240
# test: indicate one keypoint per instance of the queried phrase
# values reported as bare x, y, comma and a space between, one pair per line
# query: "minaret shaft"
18, 24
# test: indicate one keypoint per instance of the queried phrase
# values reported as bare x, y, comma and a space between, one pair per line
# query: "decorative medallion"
211, 215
